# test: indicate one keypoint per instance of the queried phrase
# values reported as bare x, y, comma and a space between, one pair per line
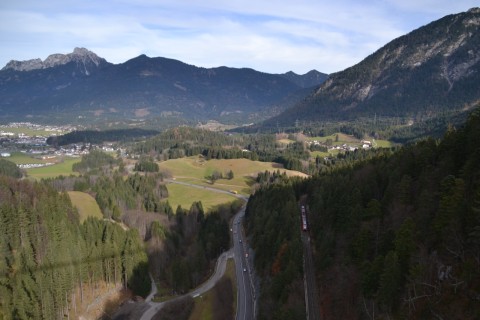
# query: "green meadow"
196, 170
86, 205
62, 168
23, 158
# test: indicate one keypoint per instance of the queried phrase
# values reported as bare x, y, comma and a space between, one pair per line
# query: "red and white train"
304, 218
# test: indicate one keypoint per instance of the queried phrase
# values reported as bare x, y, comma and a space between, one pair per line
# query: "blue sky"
272, 36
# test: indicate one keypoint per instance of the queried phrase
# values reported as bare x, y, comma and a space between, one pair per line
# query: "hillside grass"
383, 144
204, 304
285, 141
342, 138
195, 170
86, 205
62, 168
184, 196
23, 158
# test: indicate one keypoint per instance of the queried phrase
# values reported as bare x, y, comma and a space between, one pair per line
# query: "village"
30, 140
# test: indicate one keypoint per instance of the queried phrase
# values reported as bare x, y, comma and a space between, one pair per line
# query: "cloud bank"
270, 36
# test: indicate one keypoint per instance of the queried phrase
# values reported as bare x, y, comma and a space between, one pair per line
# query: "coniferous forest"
395, 236
49, 259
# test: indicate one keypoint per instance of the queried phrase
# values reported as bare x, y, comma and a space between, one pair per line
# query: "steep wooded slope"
433, 69
397, 236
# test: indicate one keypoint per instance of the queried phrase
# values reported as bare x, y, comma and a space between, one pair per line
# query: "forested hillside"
420, 75
182, 245
49, 260
185, 142
272, 221
397, 236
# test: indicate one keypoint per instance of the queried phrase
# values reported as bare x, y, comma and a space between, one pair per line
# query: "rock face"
432, 69
83, 57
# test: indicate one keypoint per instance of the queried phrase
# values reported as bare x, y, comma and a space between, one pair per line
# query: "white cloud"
268, 35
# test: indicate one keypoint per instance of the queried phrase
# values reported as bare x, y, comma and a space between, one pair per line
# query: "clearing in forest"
86, 205
196, 170
63, 168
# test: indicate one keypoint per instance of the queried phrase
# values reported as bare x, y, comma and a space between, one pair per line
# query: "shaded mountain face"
81, 84
428, 71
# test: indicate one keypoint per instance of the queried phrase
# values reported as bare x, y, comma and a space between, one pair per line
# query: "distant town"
31, 139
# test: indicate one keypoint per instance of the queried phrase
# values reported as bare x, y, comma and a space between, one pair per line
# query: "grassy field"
86, 205
383, 144
285, 141
194, 170
22, 158
185, 195
342, 138
62, 168
203, 304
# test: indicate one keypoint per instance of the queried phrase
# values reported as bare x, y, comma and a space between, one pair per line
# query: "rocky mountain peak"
474, 10
84, 58
430, 70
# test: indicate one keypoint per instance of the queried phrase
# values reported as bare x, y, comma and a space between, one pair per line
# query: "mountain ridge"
429, 70
81, 84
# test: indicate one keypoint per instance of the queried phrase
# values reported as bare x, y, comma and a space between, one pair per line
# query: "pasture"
184, 196
195, 170
23, 158
86, 205
63, 168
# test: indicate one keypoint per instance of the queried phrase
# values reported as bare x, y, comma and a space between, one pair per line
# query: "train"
304, 218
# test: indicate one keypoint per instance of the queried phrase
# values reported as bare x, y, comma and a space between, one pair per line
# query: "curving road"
218, 273
246, 297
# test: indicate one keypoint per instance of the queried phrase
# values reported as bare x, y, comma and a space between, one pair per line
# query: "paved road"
246, 303
246, 297
218, 273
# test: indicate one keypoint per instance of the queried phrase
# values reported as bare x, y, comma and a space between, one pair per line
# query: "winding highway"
246, 295
218, 273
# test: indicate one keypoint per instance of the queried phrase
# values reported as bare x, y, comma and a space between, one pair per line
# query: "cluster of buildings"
35, 146
364, 144
55, 130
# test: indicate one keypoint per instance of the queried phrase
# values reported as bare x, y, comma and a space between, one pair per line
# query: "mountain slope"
81, 84
430, 70
307, 80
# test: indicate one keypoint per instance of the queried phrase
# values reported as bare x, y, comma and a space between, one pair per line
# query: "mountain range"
428, 72
431, 70
81, 84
